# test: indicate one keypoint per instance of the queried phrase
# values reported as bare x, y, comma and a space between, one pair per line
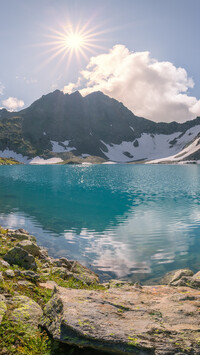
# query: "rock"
25, 283
62, 262
9, 273
50, 285
152, 320
3, 307
22, 231
66, 262
1, 277
195, 280
44, 254
183, 281
60, 272
19, 256
179, 274
84, 274
25, 310
4, 263
29, 274
22, 236
118, 283
30, 247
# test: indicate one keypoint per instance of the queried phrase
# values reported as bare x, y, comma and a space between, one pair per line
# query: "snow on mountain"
61, 147
64, 126
150, 146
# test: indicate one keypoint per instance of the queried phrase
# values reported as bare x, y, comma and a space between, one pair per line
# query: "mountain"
62, 126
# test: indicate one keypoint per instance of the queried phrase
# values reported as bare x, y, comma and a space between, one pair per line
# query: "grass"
17, 338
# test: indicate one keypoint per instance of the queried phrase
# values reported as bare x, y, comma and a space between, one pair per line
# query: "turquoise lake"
124, 221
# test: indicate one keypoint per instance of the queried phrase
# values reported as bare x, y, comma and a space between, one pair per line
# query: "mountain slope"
61, 125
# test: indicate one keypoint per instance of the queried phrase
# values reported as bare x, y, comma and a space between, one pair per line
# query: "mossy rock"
25, 311
19, 256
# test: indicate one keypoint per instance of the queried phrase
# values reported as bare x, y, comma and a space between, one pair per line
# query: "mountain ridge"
96, 125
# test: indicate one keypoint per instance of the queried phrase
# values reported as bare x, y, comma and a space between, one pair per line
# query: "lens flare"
72, 40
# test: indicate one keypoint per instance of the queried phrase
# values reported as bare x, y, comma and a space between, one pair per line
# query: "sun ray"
73, 41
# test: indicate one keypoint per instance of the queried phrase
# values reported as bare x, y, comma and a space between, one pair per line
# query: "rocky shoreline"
58, 306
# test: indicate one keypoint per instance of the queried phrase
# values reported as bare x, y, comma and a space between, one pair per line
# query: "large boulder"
152, 320
19, 256
25, 310
31, 247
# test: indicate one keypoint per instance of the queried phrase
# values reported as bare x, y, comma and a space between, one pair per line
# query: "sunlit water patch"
124, 221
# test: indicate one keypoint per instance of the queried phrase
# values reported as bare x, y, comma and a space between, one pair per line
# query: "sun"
74, 41
79, 41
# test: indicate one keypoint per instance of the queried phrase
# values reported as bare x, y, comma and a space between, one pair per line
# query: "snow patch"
192, 148
109, 162
7, 153
85, 155
150, 146
41, 161
61, 147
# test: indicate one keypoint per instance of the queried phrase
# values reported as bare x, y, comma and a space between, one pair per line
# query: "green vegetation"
8, 161
17, 338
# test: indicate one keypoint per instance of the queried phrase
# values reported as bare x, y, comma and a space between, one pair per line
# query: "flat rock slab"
152, 320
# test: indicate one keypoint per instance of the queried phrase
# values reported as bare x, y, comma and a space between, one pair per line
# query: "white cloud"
152, 89
1, 88
12, 103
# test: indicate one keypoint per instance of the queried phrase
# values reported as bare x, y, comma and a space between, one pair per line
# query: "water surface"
125, 221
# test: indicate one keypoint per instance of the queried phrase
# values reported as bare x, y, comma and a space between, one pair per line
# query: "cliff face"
95, 125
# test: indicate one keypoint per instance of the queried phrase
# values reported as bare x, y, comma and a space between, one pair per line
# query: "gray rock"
119, 283
151, 320
25, 283
60, 272
19, 256
83, 273
179, 274
50, 285
21, 230
22, 236
31, 275
183, 281
195, 280
30, 247
66, 262
3, 307
25, 310
1, 277
4, 263
9, 273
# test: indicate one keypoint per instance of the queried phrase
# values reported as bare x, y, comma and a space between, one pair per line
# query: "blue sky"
168, 30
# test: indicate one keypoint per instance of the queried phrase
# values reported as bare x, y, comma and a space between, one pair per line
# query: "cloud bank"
149, 88
12, 103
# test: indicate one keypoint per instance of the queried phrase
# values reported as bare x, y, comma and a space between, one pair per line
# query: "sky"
144, 53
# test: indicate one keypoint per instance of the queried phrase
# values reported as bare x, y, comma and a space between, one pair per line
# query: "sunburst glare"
80, 41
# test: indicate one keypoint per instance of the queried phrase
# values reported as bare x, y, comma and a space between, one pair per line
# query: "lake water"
124, 221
